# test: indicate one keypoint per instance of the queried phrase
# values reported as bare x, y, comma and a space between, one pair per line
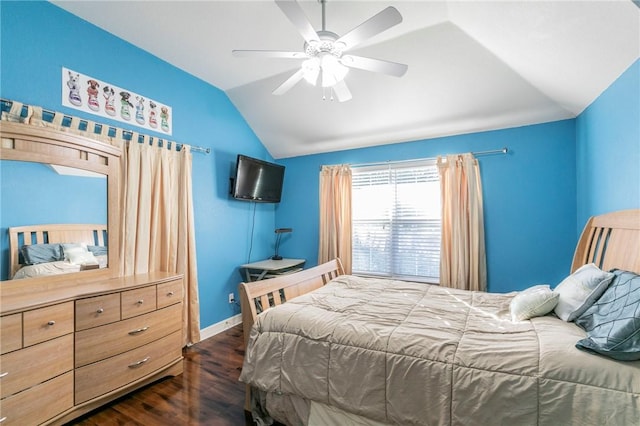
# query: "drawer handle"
52, 322
170, 294
140, 302
138, 331
99, 311
139, 363
3, 374
3, 419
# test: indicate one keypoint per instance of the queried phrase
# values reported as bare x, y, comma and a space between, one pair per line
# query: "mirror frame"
25, 142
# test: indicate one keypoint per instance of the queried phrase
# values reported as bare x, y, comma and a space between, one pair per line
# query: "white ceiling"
473, 65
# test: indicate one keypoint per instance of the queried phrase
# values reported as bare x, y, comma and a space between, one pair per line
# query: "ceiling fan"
324, 55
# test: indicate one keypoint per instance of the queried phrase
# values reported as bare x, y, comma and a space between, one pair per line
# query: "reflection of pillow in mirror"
98, 250
82, 258
69, 248
41, 253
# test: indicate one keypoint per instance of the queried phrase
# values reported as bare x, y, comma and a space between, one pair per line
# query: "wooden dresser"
68, 349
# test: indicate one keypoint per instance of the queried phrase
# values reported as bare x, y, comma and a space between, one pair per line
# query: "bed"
324, 348
46, 244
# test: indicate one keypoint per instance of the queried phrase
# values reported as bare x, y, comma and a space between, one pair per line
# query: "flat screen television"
257, 180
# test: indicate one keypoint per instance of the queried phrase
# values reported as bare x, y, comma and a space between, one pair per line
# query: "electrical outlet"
232, 298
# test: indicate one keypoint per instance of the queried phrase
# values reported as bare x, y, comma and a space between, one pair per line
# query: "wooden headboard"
42, 234
275, 291
611, 240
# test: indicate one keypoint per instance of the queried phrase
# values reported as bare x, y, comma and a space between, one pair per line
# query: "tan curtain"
335, 215
157, 228
462, 251
157, 220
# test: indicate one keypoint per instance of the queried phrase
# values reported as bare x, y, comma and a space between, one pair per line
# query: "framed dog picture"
97, 97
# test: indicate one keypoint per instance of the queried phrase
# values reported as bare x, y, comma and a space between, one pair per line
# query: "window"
396, 220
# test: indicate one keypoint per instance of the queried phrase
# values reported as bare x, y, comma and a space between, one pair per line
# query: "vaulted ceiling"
472, 65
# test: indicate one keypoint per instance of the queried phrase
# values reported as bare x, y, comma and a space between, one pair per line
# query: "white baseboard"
219, 327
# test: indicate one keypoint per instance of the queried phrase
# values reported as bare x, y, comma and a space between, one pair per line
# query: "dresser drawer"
53, 397
10, 333
138, 301
47, 323
33, 365
95, 311
113, 339
104, 376
169, 293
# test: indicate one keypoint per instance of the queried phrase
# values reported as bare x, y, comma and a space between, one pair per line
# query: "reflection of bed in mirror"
41, 250
71, 196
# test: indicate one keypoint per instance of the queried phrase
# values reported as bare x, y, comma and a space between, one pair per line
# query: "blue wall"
529, 198
38, 39
608, 149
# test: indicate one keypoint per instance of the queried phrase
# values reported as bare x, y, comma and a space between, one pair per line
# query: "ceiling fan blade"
296, 15
268, 54
289, 83
342, 92
375, 65
371, 27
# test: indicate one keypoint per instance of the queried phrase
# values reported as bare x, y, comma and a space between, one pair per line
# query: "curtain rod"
7, 104
504, 150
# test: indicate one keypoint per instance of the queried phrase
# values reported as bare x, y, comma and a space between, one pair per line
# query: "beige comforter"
409, 353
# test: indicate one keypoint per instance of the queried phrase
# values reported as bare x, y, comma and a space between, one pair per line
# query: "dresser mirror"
53, 177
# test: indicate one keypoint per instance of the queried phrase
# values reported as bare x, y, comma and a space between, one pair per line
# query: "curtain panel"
335, 215
158, 232
157, 229
462, 253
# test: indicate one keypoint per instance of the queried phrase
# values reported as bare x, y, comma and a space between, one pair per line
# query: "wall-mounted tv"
257, 180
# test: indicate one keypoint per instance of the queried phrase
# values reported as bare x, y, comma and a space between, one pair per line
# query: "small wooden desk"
271, 268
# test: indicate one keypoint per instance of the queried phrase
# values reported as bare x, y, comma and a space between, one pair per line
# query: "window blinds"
396, 220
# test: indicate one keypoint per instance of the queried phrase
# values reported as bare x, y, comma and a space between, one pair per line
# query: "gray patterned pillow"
613, 322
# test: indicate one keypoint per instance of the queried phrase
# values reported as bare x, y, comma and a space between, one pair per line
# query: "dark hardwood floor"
207, 393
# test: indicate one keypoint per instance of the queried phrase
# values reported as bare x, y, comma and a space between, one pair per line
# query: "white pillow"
82, 258
580, 290
533, 302
69, 248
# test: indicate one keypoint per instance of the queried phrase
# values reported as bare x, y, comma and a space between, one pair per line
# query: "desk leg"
248, 274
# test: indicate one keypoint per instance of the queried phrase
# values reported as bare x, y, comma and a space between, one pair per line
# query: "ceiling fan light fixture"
311, 70
328, 79
332, 70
